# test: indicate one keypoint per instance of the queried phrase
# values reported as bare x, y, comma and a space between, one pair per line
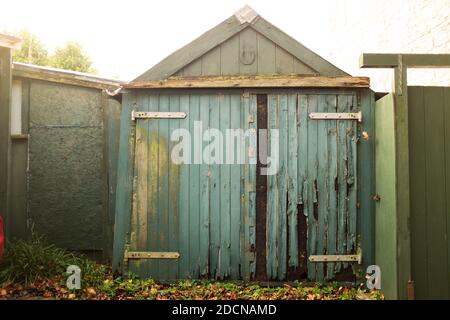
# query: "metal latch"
336, 116
336, 258
157, 115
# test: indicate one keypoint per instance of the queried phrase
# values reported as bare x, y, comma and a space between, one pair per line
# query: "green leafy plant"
34, 260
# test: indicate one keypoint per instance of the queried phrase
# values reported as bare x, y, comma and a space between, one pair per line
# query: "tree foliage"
32, 50
71, 57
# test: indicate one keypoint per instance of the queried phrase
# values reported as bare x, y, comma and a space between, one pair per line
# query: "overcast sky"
125, 38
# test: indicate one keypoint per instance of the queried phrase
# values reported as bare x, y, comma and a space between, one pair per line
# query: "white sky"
125, 38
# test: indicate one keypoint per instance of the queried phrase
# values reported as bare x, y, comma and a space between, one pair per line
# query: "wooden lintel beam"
254, 82
381, 60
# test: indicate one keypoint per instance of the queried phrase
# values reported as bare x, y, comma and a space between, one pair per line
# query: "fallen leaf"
91, 291
3, 292
71, 296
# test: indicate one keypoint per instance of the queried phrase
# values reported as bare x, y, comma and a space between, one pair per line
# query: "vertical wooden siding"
248, 52
316, 178
429, 122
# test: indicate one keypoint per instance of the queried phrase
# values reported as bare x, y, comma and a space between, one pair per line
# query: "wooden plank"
229, 56
302, 165
282, 182
273, 195
293, 182
174, 193
366, 183
383, 60
323, 180
204, 195
266, 55
248, 52
294, 81
301, 68
153, 223
235, 190
244, 115
386, 211
215, 193
417, 169
331, 105
436, 199
352, 186
447, 168
184, 200
211, 62
284, 61
225, 205
138, 241
124, 181
343, 106
194, 69
251, 187
312, 127
261, 189
194, 193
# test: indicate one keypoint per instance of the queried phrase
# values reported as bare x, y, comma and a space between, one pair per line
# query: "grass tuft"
29, 261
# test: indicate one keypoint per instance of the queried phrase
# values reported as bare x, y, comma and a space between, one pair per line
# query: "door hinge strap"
157, 115
336, 258
336, 116
151, 255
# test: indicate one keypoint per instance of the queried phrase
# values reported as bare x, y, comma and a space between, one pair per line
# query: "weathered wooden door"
312, 200
193, 219
212, 219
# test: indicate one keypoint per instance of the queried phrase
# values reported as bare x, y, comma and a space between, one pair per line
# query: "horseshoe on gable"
247, 56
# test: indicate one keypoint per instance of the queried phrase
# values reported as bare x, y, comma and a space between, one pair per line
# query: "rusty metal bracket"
336, 258
151, 255
157, 115
336, 116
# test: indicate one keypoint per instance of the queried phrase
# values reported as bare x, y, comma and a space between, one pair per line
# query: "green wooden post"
6, 44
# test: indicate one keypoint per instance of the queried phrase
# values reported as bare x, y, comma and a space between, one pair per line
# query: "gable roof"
245, 17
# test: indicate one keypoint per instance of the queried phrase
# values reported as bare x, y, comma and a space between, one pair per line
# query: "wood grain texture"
254, 82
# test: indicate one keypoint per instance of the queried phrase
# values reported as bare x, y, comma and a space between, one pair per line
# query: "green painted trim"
125, 167
402, 172
366, 183
381, 60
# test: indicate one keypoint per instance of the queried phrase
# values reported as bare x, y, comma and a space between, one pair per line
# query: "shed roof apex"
246, 14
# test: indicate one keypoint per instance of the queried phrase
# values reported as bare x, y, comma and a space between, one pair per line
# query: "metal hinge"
157, 115
151, 255
336, 258
336, 116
